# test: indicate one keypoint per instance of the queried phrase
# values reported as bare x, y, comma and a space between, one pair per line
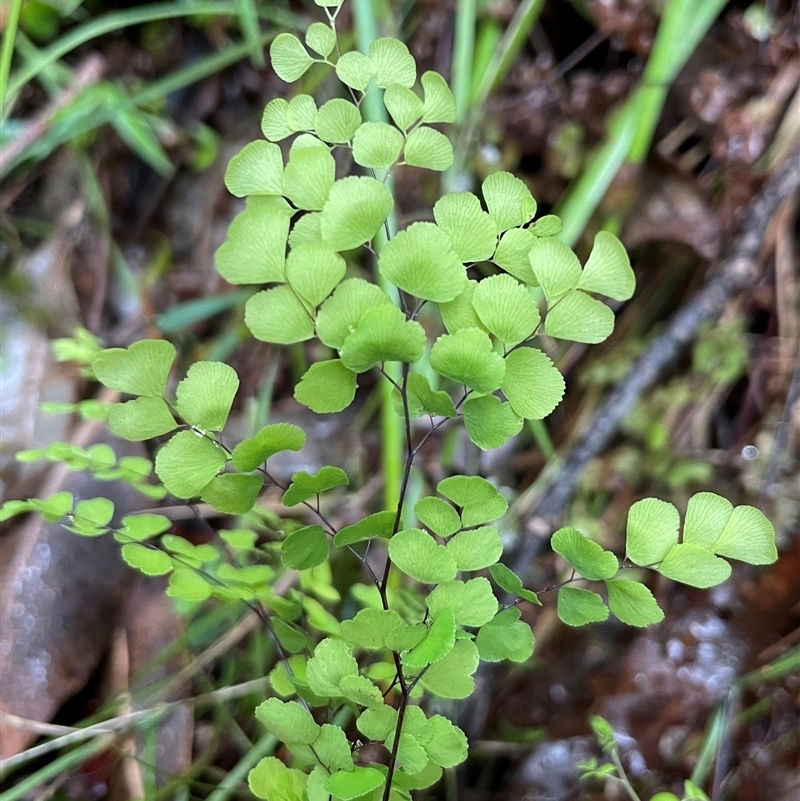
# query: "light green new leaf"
188, 462
490, 423
608, 269
508, 580
377, 145
579, 318
306, 230
532, 383
549, 225
506, 308
428, 148
633, 603
305, 486
275, 120
326, 387
505, 636
93, 515
587, 557
472, 231
332, 748
332, 661
473, 603
271, 779
379, 524
355, 211
253, 452
512, 255
652, 530
337, 121
149, 561
420, 261
694, 565
577, 607
348, 785
707, 514
141, 369
403, 105
393, 63
205, 396
447, 745
383, 335
278, 315
255, 250
290, 59
424, 400
188, 585
438, 516
143, 526
369, 627
308, 177
301, 113
377, 724
451, 677
748, 536
416, 553
460, 313
288, 721
476, 548
314, 270
305, 548
555, 266
479, 499
232, 493
355, 70
508, 200
467, 357
257, 169
408, 636
340, 314
440, 104
320, 38
141, 418
437, 643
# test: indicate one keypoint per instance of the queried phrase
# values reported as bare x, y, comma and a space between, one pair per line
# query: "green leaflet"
422, 399
429, 149
355, 70
279, 316
313, 270
479, 500
587, 557
472, 603
337, 121
438, 516
289, 58
305, 486
436, 644
379, 524
187, 463
346, 785
254, 252
332, 661
257, 169
476, 548
305, 548
393, 63
271, 779
141, 418
149, 561
508, 200
232, 493
309, 177
320, 38
205, 396
577, 607
340, 314
459, 312
451, 676
608, 269
253, 452
467, 357
381, 335
288, 721
439, 105
694, 565
633, 603
508, 580
416, 553
420, 261
327, 387
512, 255
403, 105
356, 208
141, 369
506, 309
532, 383
579, 318
505, 636
369, 627
472, 231
652, 530
377, 145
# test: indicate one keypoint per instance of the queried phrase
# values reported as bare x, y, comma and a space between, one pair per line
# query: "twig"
735, 273
88, 73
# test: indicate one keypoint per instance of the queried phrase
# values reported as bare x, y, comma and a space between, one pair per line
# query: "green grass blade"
230, 786
463, 55
7, 51
251, 31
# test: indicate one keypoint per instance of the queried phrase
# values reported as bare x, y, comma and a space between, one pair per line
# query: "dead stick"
735, 273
